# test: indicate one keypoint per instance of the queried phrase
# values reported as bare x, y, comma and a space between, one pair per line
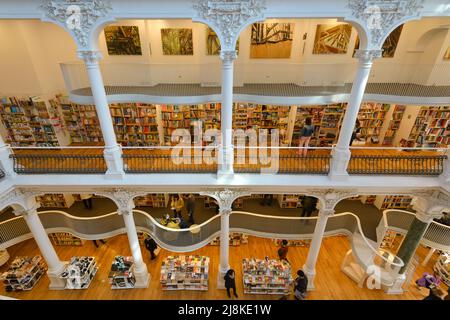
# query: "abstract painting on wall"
177, 42
447, 54
271, 40
332, 38
390, 44
213, 43
123, 40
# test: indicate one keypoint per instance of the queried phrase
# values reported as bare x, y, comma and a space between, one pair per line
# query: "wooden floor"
330, 282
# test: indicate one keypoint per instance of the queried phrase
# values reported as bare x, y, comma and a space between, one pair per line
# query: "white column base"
339, 163
397, 287
311, 275
142, 277
114, 162
220, 280
56, 283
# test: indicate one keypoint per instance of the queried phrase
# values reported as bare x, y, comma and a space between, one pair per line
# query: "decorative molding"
123, 198
379, 18
78, 17
228, 56
18, 196
368, 55
225, 197
331, 197
229, 17
90, 57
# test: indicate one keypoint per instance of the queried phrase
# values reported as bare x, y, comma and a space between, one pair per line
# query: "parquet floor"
331, 283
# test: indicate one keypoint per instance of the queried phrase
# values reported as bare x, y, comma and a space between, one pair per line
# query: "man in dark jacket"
230, 282
190, 207
309, 206
301, 285
151, 246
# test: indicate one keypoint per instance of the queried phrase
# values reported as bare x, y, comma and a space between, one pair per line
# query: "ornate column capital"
225, 197
367, 56
19, 197
380, 18
123, 198
228, 17
90, 57
228, 56
80, 18
329, 198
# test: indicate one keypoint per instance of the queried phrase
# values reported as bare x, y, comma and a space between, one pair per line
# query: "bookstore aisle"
112, 266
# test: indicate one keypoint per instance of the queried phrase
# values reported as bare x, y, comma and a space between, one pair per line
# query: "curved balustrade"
437, 235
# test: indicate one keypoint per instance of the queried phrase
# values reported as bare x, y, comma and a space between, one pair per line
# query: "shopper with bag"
305, 136
300, 285
283, 250
151, 246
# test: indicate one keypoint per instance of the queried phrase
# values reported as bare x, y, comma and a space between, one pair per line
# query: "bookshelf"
121, 275
236, 239
330, 124
27, 122
392, 202
293, 243
56, 200
389, 239
23, 273
442, 267
185, 273
394, 125
153, 200
81, 122
371, 117
266, 276
79, 272
65, 239
174, 117
289, 201
434, 122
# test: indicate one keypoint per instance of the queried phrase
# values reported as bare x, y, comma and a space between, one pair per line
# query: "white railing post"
341, 154
55, 266
310, 265
113, 151
226, 153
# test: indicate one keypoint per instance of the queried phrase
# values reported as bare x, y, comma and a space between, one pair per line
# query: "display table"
122, 273
266, 276
79, 272
23, 273
185, 273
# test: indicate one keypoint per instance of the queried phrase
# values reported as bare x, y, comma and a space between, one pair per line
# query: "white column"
6, 163
224, 265
113, 151
310, 265
55, 266
341, 153
226, 153
140, 268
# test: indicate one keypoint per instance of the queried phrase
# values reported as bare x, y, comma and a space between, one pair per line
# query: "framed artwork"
213, 43
177, 42
332, 38
271, 40
123, 40
447, 54
390, 44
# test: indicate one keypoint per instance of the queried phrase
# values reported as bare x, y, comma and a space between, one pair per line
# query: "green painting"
213, 43
123, 40
177, 42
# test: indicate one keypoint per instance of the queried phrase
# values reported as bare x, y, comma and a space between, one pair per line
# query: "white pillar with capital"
6, 163
226, 152
113, 151
310, 265
55, 266
224, 265
341, 153
140, 268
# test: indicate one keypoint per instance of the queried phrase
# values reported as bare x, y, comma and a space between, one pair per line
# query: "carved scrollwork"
380, 17
329, 198
78, 17
229, 17
22, 197
123, 198
225, 197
